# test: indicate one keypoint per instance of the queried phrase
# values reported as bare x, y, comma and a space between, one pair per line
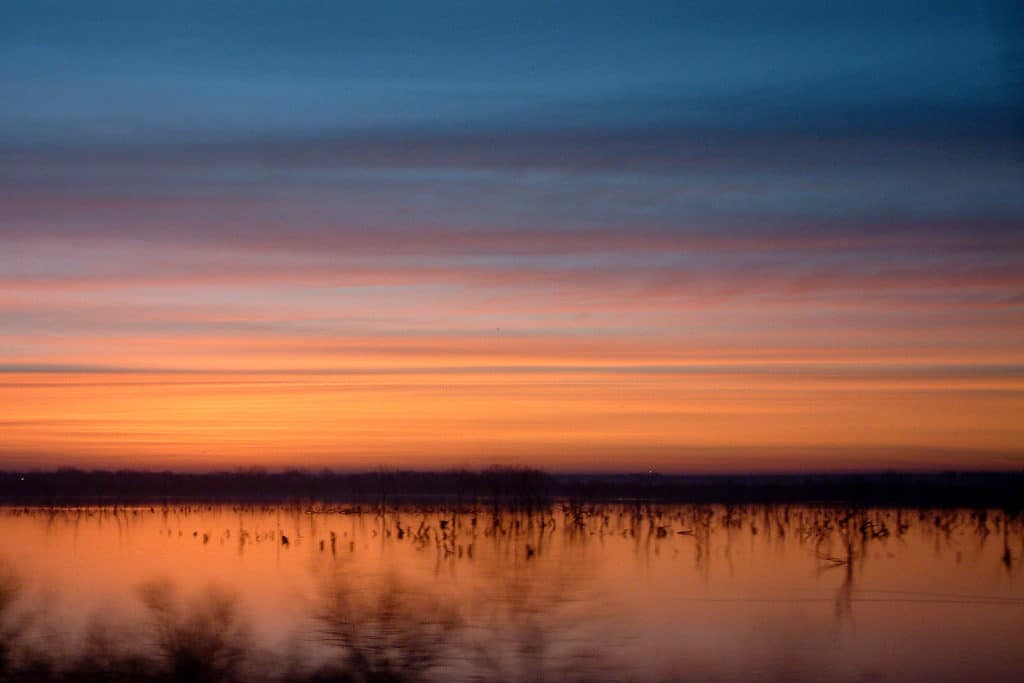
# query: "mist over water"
560, 592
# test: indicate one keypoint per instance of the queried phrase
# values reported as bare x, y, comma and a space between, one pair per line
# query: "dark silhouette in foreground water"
389, 629
392, 635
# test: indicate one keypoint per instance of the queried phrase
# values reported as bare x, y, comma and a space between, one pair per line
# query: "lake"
570, 591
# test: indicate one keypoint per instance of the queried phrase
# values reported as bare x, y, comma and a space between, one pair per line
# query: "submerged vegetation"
385, 628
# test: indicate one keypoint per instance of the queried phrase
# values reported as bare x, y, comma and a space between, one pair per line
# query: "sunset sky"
575, 235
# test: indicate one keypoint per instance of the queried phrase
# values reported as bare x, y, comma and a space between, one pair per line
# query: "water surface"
609, 592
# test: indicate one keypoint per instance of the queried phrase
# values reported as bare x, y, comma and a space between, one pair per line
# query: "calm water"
594, 592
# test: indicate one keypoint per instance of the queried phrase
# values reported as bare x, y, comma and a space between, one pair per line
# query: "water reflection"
573, 591
389, 632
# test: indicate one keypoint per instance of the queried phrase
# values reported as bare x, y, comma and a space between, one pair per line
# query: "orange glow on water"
723, 592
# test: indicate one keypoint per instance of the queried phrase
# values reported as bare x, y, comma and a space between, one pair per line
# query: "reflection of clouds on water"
563, 592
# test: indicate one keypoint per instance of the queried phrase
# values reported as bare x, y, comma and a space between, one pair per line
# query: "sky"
583, 236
